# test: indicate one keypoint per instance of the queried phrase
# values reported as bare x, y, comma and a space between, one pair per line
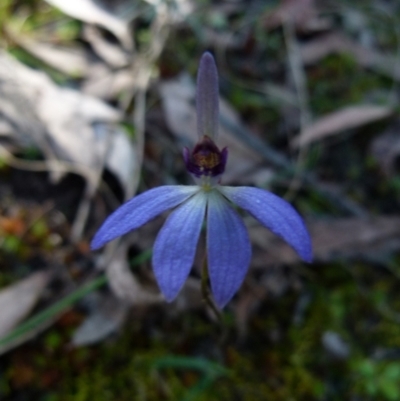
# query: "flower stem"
205, 290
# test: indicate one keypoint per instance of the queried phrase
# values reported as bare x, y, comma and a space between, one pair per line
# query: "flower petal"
274, 213
175, 246
141, 209
228, 247
207, 99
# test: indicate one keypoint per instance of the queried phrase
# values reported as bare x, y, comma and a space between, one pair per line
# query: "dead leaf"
5, 129
122, 160
19, 88
350, 117
71, 126
315, 50
332, 239
83, 131
385, 148
107, 318
336, 42
105, 83
125, 285
14, 225
91, 12
17, 300
69, 60
110, 53
302, 13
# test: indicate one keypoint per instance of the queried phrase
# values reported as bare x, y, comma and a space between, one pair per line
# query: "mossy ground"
282, 356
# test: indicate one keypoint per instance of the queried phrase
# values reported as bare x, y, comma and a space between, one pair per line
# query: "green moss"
183, 359
338, 81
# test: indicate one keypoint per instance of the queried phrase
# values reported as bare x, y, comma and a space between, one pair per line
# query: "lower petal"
228, 247
175, 246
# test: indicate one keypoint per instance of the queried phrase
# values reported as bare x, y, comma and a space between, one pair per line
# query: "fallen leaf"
385, 148
106, 319
91, 12
336, 42
332, 239
83, 131
69, 60
350, 117
110, 53
125, 285
5, 129
315, 50
12, 225
17, 300
303, 13
105, 83
122, 160
71, 126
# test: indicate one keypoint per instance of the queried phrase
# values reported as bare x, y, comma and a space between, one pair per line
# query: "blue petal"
228, 247
175, 246
274, 213
141, 209
207, 98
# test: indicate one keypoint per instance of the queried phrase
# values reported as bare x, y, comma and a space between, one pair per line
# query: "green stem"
205, 290
64, 303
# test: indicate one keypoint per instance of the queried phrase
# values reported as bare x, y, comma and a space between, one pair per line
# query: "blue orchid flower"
227, 239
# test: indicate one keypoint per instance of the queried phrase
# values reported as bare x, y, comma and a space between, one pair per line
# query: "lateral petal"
228, 247
274, 213
175, 246
141, 209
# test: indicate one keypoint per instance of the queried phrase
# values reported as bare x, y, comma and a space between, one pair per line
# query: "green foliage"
337, 81
377, 379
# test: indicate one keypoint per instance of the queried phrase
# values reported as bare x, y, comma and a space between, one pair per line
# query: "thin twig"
51, 165
300, 81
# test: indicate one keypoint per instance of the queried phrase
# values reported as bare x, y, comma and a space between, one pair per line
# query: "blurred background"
96, 104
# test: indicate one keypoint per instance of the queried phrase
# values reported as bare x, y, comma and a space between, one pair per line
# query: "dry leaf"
122, 160
89, 11
125, 285
17, 300
348, 118
5, 128
110, 53
303, 13
71, 126
315, 50
108, 317
331, 239
336, 42
385, 148
105, 83
19, 89
69, 60
83, 131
